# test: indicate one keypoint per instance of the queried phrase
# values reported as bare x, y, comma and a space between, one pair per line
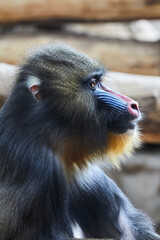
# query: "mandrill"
57, 123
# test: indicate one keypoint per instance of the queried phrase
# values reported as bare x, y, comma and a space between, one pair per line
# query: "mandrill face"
90, 115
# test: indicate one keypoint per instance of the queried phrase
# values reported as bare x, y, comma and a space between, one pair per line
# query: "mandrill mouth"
132, 125
122, 128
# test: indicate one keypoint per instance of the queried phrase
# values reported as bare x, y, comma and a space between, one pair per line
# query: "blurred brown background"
125, 36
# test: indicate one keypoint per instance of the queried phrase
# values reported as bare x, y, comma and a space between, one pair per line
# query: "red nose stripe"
133, 107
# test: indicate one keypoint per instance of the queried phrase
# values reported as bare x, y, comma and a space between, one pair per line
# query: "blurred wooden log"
136, 86
152, 137
144, 89
130, 30
27, 10
123, 56
7, 77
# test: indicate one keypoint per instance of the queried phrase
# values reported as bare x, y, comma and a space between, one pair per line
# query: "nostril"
133, 109
135, 106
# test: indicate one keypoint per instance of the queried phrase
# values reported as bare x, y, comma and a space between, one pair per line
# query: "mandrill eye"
93, 83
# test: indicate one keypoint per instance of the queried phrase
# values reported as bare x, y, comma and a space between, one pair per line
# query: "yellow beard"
74, 153
122, 145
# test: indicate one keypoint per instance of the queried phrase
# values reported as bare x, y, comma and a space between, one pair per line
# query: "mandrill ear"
33, 84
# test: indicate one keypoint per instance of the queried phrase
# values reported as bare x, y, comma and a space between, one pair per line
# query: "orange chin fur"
74, 153
122, 145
